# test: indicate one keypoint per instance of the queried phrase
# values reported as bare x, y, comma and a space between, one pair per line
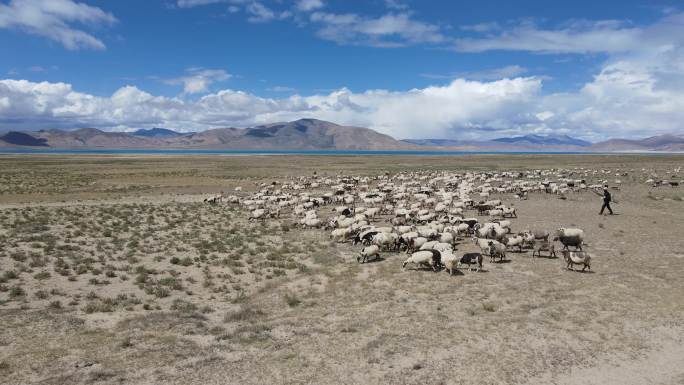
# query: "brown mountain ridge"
300, 134
310, 134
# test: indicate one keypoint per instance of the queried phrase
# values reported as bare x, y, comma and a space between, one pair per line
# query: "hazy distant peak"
157, 133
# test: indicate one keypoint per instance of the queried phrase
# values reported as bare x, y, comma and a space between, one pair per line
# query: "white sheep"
450, 261
509, 211
496, 250
386, 241
543, 245
340, 235
420, 258
570, 237
446, 238
257, 214
427, 232
416, 243
514, 241
367, 252
577, 258
495, 213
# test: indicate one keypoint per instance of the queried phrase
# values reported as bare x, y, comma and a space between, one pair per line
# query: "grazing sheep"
257, 214
577, 258
482, 243
384, 229
427, 232
540, 234
528, 239
372, 212
492, 231
496, 213
436, 245
462, 229
509, 211
421, 258
470, 259
450, 261
340, 235
570, 237
517, 240
364, 237
496, 250
386, 241
399, 221
446, 238
415, 244
542, 245
403, 229
367, 252
506, 224
311, 222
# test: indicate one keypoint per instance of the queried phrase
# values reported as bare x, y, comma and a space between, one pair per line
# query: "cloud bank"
459, 109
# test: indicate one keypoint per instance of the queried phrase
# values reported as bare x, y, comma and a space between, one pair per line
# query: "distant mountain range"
665, 143
547, 140
300, 134
517, 141
317, 134
159, 133
671, 143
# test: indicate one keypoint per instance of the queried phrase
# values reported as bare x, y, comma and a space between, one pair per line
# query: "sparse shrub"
42, 275
243, 314
158, 291
171, 282
291, 299
126, 343
99, 307
10, 274
183, 306
16, 291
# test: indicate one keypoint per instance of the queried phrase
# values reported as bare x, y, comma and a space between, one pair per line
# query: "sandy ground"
113, 271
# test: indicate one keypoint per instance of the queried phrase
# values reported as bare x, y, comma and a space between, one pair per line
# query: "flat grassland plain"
112, 270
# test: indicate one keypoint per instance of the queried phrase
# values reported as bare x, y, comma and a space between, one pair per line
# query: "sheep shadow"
500, 261
544, 257
374, 260
581, 272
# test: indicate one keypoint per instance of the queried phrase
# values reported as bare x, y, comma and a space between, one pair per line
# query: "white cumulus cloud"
198, 80
57, 20
309, 5
389, 30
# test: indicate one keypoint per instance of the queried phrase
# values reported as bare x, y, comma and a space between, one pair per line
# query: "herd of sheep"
425, 214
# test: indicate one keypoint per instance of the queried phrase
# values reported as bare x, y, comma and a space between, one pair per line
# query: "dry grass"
145, 285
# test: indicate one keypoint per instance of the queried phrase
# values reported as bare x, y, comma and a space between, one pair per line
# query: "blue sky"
592, 69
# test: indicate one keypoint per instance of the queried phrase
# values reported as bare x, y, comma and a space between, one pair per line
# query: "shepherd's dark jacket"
606, 196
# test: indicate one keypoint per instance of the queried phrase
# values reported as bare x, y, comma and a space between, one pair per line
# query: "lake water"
260, 152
